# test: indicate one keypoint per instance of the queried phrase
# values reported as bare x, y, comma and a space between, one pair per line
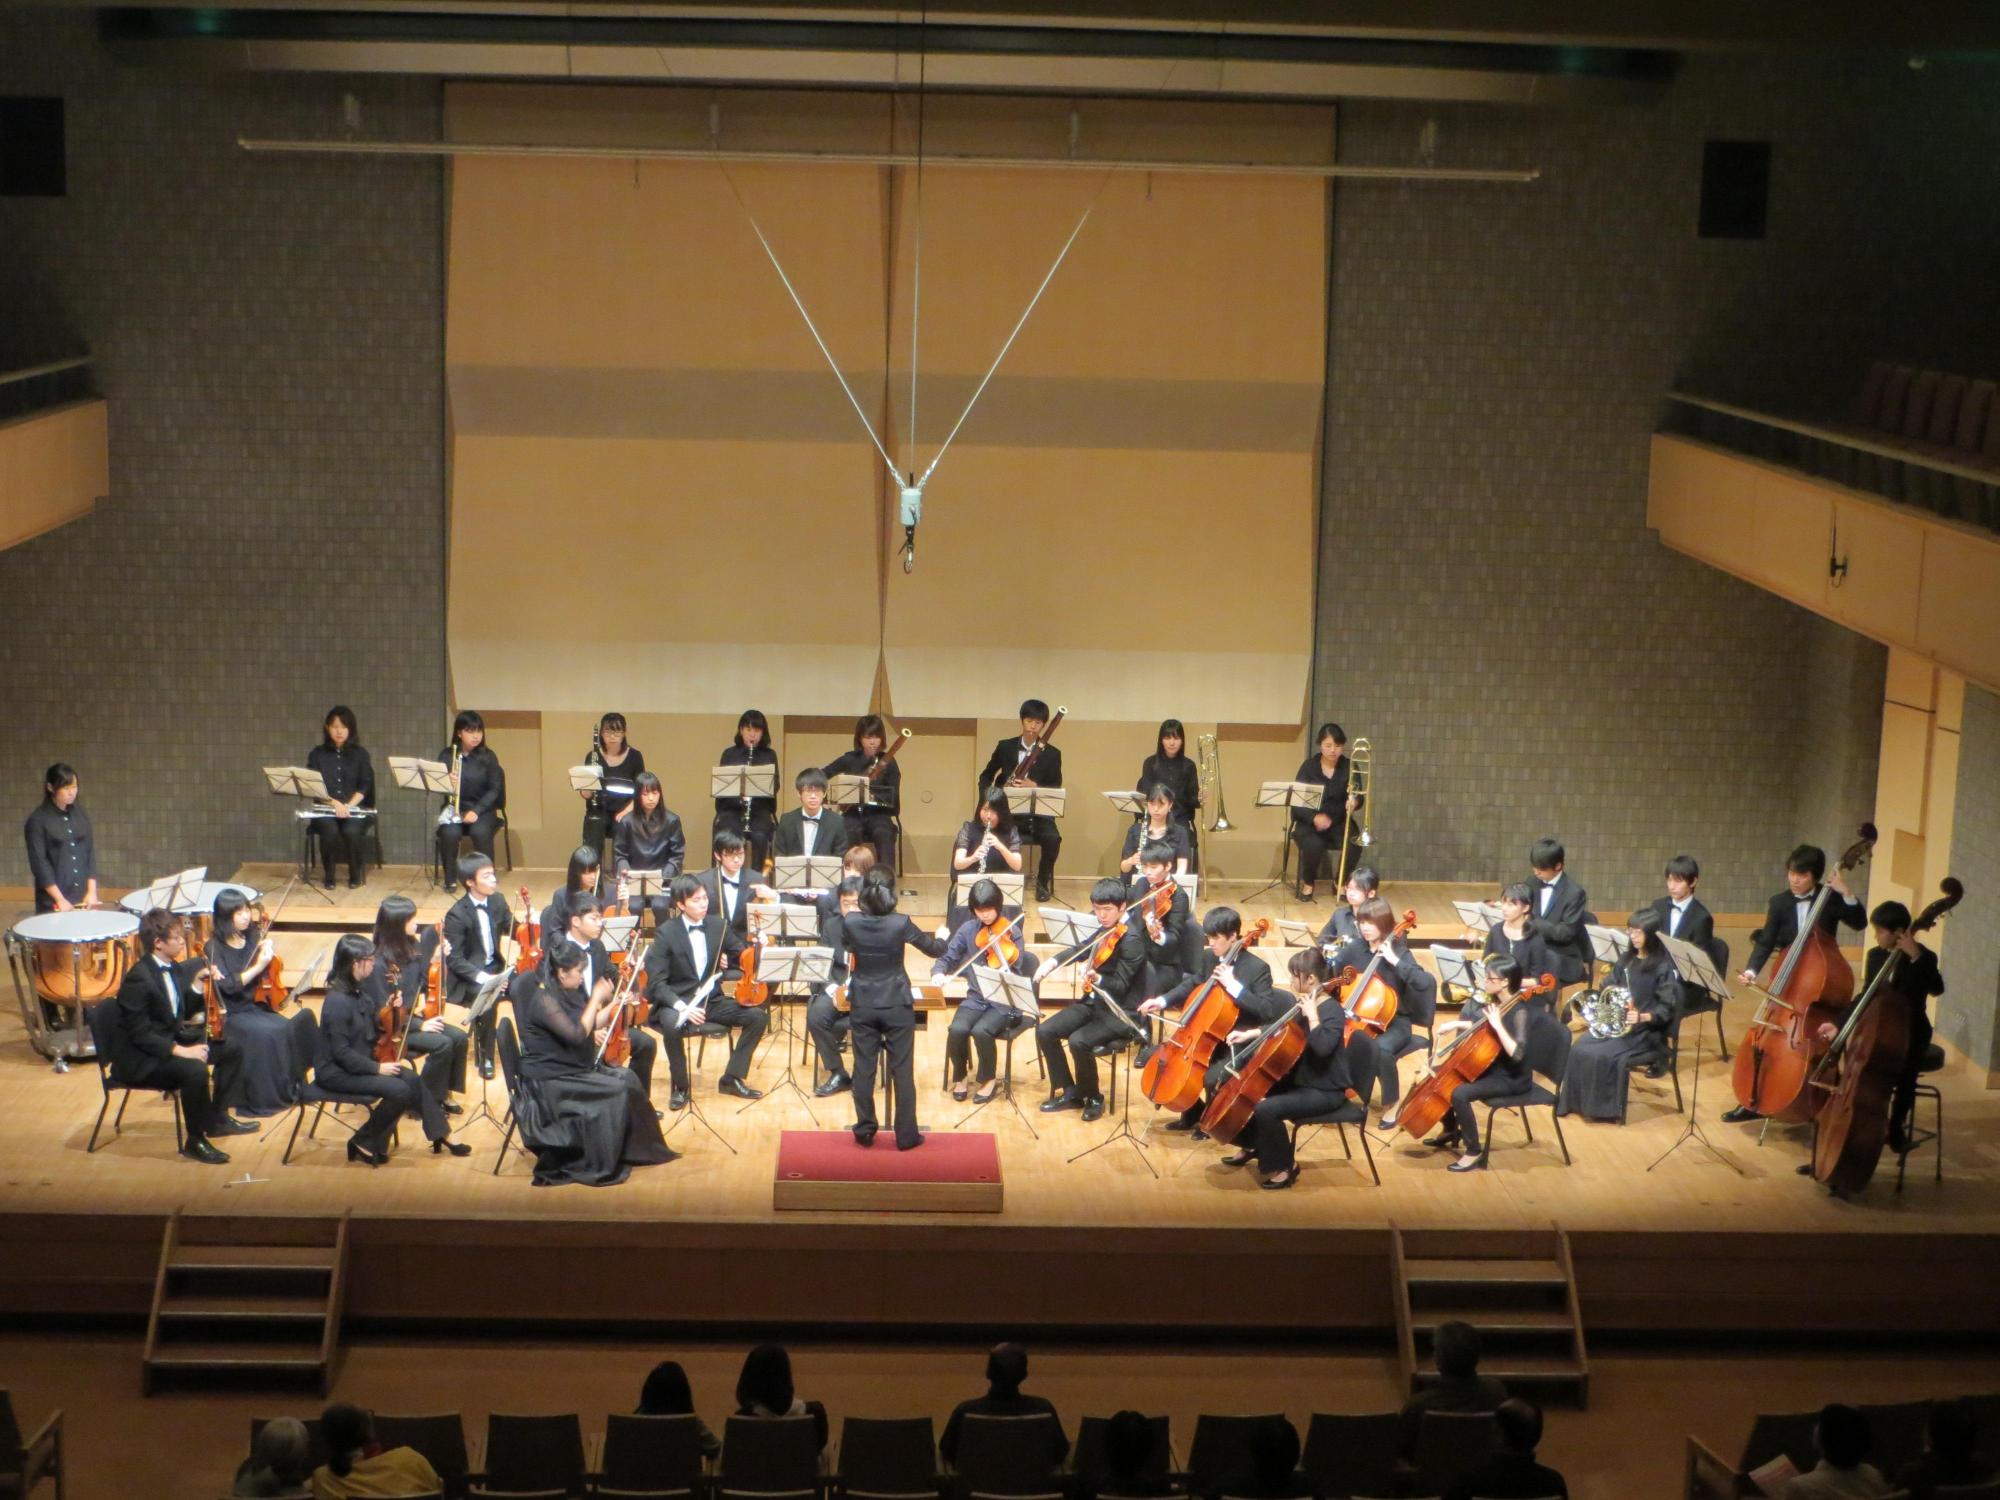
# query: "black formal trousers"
395, 1095
981, 1029
761, 827
1388, 1049
1079, 1025
825, 1024
748, 1021
188, 1077
1046, 835
1316, 846
876, 829
1903, 1106
1492, 1084
1269, 1135
597, 831
483, 831
440, 1058
891, 1031
343, 836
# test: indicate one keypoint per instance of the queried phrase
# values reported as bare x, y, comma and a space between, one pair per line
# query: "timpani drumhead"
78, 955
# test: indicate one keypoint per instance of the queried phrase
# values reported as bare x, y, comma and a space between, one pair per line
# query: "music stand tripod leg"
1692, 1129
1123, 1129
786, 1079
695, 1112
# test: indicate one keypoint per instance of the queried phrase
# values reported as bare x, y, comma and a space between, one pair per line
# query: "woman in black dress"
596, 1122
751, 747
346, 1061
403, 953
267, 1078
1514, 936
604, 811
1599, 1070
650, 838
584, 875
1318, 829
884, 1011
482, 791
874, 822
986, 842
343, 765
1172, 767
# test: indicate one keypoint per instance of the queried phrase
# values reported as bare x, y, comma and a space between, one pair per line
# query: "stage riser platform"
1096, 1281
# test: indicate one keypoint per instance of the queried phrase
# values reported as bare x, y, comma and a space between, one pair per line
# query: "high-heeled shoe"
358, 1152
456, 1148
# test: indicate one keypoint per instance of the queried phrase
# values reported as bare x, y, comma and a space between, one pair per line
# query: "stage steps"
255, 1300
1518, 1288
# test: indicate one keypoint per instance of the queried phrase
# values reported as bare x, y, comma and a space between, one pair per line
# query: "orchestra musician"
979, 1024
826, 1022
688, 967
751, 747
874, 821
1248, 983
1320, 829
584, 926
473, 929
1088, 1023
810, 828
1003, 769
1916, 980
605, 810
1681, 914
1516, 935
1560, 912
1166, 940
154, 1045
1172, 767
1508, 1074
62, 854
404, 949
1157, 827
1599, 1071
1785, 916
585, 873
1341, 928
1319, 1082
884, 1011
986, 842
649, 838
261, 1080
343, 764
481, 795
729, 888
345, 1062
1415, 988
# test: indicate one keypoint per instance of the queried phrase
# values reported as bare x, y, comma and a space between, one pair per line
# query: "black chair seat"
1932, 1060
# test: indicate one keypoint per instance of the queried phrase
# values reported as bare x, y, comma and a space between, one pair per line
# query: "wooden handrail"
1844, 437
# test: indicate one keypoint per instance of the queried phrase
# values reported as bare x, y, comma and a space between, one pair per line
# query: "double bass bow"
1868, 1056
1811, 979
1173, 1076
1429, 1100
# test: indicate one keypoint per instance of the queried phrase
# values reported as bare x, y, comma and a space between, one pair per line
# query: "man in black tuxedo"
1681, 914
153, 1046
692, 948
810, 828
1247, 981
730, 885
1089, 1023
474, 926
1003, 768
1559, 912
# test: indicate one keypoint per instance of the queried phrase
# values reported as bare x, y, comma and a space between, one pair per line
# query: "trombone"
1360, 778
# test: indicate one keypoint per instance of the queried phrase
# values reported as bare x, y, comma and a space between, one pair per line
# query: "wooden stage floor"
1658, 1248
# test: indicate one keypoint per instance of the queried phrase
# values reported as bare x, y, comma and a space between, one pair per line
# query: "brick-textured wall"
1968, 1016
268, 331
1495, 615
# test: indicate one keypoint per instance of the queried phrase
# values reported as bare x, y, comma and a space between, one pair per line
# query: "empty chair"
1014, 1456
1895, 392
1789, 1433
888, 1458
1917, 407
1223, 1456
1352, 1455
533, 1455
650, 1458
1896, 1433
1943, 426
769, 1456
439, 1436
1450, 1445
1094, 1471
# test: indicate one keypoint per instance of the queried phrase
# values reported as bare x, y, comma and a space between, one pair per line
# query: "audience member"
280, 1461
1951, 1456
1460, 1387
359, 1467
668, 1394
1129, 1468
1006, 1369
1512, 1473
1274, 1461
764, 1389
1842, 1472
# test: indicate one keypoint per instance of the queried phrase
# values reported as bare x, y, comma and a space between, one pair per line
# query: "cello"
1811, 979
1371, 1000
1429, 1099
1251, 1072
1173, 1076
1853, 1121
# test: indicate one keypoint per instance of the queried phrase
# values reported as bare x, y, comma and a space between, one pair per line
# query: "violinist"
606, 809
473, 930
1088, 1023
346, 1064
649, 838
404, 950
154, 1045
1165, 932
884, 1010
62, 854
687, 969
1003, 768
1515, 935
751, 747
1172, 767
985, 937
481, 795
810, 828
598, 1122
1320, 829
987, 842
261, 1081
1157, 827
874, 821
344, 766
1319, 1083
1681, 914
1599, 1071
1414, 986
1559, 910
584, 926
729, 887
1785, 917
1915, 981
1248, 981
826, 1022
1509, 1073
1341, 929
585, 873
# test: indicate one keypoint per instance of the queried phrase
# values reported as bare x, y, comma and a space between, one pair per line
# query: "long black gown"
595, 1123
1599, 1072
267, 1081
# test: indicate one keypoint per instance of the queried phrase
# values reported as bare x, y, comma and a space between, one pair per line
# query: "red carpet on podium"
950, 1173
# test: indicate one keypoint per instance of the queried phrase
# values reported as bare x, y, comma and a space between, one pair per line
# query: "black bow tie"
727, 881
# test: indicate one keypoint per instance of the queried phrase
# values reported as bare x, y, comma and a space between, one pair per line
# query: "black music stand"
490, 991
805, 966
694, 1111
1695, 967
1123, 1129
1288, 795
1017, 993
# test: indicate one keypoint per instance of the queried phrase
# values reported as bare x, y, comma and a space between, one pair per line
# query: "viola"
528, 933
629, 1008
1811, 982
749, 989
433, 1006
1429, 1101
1173, 1076
271, 991
392, 1021
1106, 949
1371, 1000
211, 1005
1853, 1122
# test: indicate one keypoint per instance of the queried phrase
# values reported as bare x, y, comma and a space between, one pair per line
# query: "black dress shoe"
1477, 1164
1281, 1182
911, 1145
678, 1099
358, 1152
1239, 1158
864, 1135
1184, 1122
201, 1151
1045, 892
353, 884
1899, 1140
226, 1124
836, 1083
1804, 1169
1061, 1102
453, 1109
1657, 1070
1445, 1142
737, 1088
329, 879
456, 1148
1739, 1114
1093, 1109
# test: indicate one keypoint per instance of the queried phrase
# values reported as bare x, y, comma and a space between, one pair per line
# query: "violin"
392, 1021
1371, 1000
433, 1006
842, 1000
1811, 981
1470, 1056
1174, 1074
749, 989
529, 934
630, 1008
211, 1004
271, 991
1852, 1126
995, 942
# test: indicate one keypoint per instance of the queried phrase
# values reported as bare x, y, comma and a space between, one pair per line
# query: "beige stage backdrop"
662, 502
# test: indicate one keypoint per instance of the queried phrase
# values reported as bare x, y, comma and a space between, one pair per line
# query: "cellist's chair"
1932, 1062
1360, 1050
1548, 1056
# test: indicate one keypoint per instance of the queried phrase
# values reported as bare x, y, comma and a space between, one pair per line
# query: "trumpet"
1360, 779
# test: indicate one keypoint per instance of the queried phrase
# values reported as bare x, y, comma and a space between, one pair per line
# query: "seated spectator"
1128, 1457
764, 1389
358, 1466
279, 1461
1460, 1388
1951, 1456
668, 1394
1512, 1473
1274, 1461
1006, 1369
1842, 1472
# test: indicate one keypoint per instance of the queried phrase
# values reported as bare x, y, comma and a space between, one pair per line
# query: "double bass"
1812, 979
1429, 1100
1174, 1075
1370, 1000
1869, 1053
